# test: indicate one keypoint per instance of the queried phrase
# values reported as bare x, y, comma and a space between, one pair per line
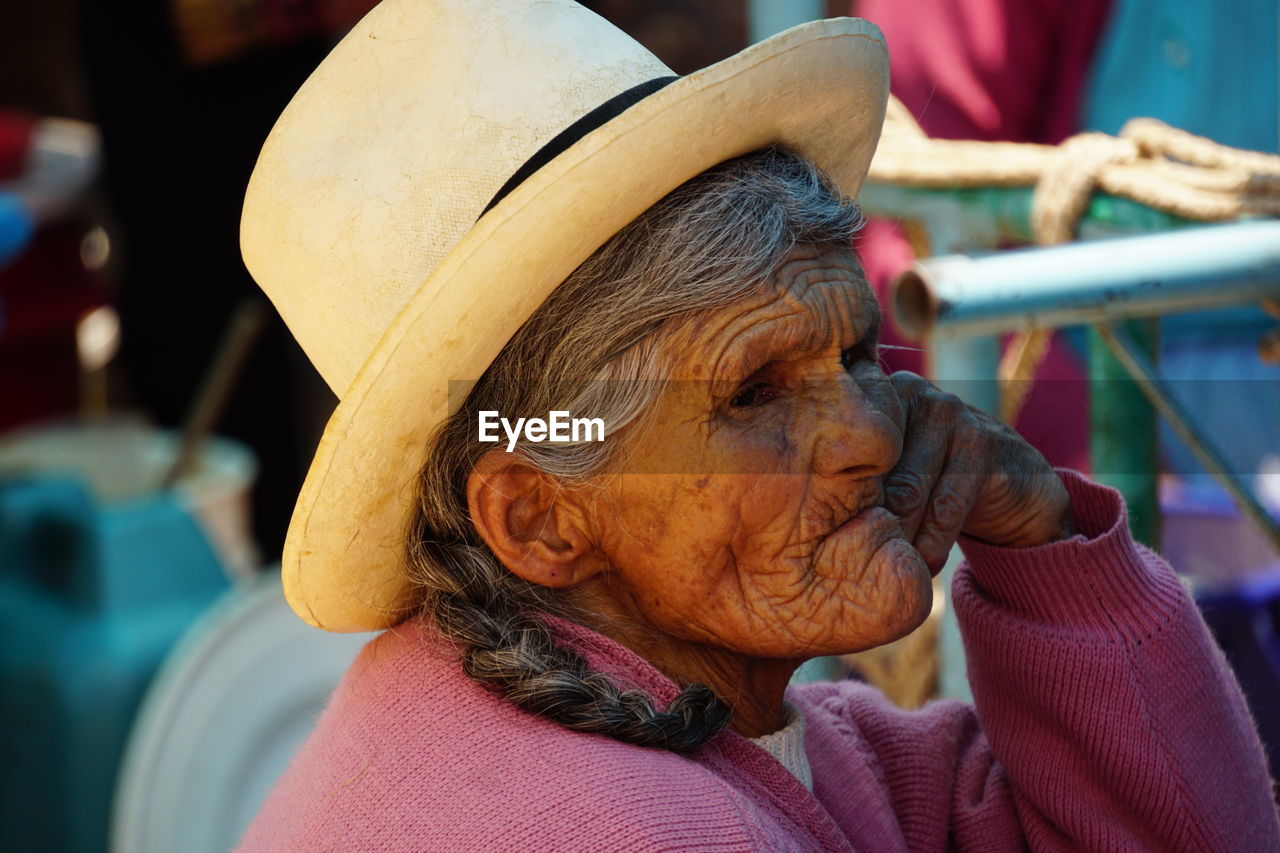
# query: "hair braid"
515, 653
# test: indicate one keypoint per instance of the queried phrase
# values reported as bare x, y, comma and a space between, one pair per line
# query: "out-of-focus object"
97, 342
1269, 347
1206, 537
17, 221
46, 284
62, 161
769, 17
1211, 68
243, 331
1245, 621
17, 224
214, 31
45, 292
121, 461
95, 249
231, 704
99, 575
1269, 344
1236, 581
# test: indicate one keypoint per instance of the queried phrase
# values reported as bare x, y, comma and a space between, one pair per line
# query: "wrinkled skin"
790, 500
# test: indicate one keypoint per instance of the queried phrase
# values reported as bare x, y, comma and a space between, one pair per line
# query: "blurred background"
157, 419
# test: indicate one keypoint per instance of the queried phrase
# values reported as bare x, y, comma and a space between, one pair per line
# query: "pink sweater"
1104, 719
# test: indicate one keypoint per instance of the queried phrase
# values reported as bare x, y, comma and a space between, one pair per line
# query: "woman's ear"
528, 523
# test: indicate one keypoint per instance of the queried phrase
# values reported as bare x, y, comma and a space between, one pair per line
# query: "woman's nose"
856, 432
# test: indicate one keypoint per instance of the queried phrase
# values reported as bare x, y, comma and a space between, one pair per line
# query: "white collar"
787, 746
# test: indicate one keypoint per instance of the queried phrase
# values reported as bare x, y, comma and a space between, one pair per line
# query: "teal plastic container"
94, 591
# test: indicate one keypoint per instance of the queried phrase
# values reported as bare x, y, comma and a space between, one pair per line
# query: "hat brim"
818, 89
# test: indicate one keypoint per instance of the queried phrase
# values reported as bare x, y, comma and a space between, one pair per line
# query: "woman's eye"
860, 352
753, 396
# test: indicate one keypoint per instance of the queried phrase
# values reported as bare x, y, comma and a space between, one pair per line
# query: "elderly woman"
592, 636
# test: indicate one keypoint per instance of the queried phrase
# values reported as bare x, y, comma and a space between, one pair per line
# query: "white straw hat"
365, 220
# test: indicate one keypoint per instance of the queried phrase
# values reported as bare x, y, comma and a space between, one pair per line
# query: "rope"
1018, 368
1159, 166
1150, 162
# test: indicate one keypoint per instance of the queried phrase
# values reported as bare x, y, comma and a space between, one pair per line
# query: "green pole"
1123, 430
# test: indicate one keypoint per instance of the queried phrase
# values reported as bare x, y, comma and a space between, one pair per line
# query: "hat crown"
360, 191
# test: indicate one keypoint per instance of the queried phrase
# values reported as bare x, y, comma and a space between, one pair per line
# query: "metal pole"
1191, 269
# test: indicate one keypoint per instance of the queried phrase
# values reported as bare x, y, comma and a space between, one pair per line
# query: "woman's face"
749, 516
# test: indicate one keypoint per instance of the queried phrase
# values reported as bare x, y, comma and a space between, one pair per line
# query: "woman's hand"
963, 471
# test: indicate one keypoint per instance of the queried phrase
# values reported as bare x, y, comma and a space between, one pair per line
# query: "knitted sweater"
1104, 719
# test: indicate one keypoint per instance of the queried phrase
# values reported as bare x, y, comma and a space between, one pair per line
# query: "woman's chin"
897, 597
916, 582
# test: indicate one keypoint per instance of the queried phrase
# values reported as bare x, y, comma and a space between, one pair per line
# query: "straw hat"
365, 220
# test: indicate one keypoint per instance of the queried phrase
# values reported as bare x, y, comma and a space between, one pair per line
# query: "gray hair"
713, 241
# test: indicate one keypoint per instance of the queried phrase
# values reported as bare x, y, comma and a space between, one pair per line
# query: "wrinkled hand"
963, 471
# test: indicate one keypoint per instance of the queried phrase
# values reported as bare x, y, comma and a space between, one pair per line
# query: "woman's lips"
874, 524
872, 541
875, 532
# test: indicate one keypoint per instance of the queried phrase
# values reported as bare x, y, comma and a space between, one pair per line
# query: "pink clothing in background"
1012, 70
1105, 719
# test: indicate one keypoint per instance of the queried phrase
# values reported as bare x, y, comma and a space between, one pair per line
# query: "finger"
912, 389
908, 486
955, 493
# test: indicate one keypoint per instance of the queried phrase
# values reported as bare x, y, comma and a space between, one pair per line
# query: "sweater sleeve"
1104, 716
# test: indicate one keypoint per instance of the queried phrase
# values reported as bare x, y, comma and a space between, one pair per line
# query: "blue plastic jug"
92, 596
